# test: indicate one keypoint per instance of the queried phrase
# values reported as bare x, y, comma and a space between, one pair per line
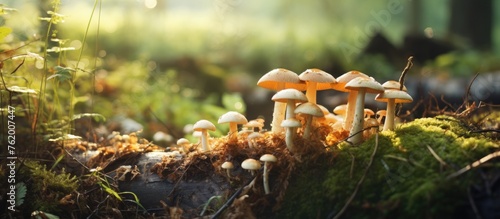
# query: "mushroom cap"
323, 79
250, 164
381, 112
234, 117
203, 125
268, 158
324, 109
369, 84
290, 123
393, 85
398, 95
309, 109
340, 109
254, 124
273, 78
227, 165
345, 78
369, 112
289, 94
182, 141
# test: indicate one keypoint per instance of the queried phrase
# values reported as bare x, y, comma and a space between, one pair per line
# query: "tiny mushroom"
363, 86
233, 118
279, 79
371, 125
290, 124
251, 165
204, 126
368, 113
184, 144
252, 124
266, 158
316, 79
227, 166
309, 110
380, 115
351, 99
392, 97
252, 138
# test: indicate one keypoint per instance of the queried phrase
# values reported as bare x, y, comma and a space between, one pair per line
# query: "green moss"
48, 187
405, 179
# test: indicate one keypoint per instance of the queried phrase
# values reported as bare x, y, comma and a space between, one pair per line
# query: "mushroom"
368, 113
380, 115
351, 100
309, 110
251, 165
392, 97
316, 79
184, 144
363, 86
227, 166
266, 158
279, 79
290, 125
204, 126
233, 118
290, 97
252, 124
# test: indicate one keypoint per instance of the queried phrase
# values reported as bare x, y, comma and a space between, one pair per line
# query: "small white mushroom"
316, 79
266, 158
252, 139
392, 97
351, 100
184, 144
309, 110
290, 125
251, 165
204, 126
234, 119
228, 166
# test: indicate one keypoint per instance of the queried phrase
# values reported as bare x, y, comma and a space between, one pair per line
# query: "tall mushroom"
392, 97
204, 126
279, 79
362, 86
310, 110
266, 158
351, 99
233, 118
290, 97
316, 79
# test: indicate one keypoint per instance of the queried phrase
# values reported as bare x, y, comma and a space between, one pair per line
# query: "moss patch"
408, 177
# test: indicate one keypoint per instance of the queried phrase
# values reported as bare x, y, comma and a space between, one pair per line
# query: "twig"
473, 204
230, 200
436, 156
360, 180
475, 164
409, 64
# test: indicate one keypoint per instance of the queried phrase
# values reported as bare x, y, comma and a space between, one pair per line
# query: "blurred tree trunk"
472, 20
415, 18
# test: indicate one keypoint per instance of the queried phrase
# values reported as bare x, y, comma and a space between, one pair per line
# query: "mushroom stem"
311, 91
307, 129
278, 116
204, 140
355, 134
389, 119
266, 178
351, 105
289, 136
228, 171
233, 131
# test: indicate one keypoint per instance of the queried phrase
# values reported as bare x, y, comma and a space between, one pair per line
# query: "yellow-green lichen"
408, 176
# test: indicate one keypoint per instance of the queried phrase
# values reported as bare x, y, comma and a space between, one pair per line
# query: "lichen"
408, 177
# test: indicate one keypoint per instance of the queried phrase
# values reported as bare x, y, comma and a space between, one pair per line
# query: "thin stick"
360, 180
475, 164
409, 64
436, 156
